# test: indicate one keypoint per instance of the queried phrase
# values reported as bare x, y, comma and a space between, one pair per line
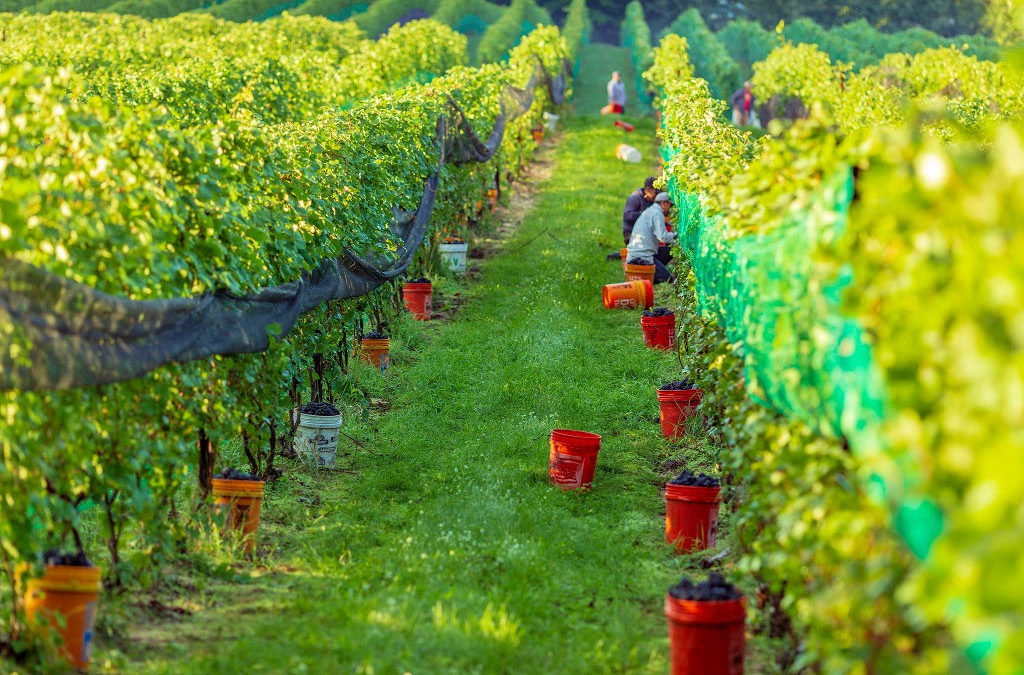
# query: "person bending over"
648, 232
637, 203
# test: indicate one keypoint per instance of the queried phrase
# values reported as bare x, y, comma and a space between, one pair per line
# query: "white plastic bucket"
550, 120
455, 256
316, 439
628, 153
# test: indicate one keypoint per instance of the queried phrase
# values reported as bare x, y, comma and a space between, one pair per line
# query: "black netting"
58, 334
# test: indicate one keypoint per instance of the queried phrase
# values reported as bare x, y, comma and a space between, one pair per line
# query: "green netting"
802, 357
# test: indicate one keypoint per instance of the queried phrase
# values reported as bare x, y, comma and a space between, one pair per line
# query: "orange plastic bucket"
624, 254
676, 408
376, 353
71, 593
628, 295
706, 638
492, 197
659, 331
538, 135
691, 516
417, 299
640, 272
573, 458
242, 499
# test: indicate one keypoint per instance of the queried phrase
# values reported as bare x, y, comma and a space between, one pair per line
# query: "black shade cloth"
59, 334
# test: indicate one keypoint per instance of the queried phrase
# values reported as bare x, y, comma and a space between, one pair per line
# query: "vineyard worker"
742, 105
648, 232
616, 96
638, 202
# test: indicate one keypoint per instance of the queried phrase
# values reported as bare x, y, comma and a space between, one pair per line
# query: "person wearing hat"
638, 202
648, 233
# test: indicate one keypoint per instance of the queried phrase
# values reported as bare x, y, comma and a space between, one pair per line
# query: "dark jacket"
737, 99
635, 205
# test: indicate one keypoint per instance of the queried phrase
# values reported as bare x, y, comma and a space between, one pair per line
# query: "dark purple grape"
715, 589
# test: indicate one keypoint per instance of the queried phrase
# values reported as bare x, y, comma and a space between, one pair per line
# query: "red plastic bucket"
691, 516
573, 458
417, 299
659, 331
706, 638
676, 408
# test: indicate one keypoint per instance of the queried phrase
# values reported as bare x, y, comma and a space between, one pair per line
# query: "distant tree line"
946, 17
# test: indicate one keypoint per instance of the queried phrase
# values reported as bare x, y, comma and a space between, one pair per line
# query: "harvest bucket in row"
316, 439
376, 352
628, 295
240, 502
573, 458
640, 273
454, 255
706, 638
417, 298
65, 598
659, 331
675, 408
691, 516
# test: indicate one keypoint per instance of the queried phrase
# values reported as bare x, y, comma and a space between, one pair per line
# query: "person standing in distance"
742, 105
616, 96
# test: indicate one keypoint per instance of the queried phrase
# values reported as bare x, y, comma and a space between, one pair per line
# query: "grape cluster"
421, 280
55, 557
716, 588
322, 409
231, 473
373, 335
679, 385
691, 479
658, 311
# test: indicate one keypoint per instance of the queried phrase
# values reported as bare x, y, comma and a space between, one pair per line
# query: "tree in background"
946, 17
1004, 19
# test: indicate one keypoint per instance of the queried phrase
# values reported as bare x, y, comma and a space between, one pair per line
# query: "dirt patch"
176, 615
671, 466
524, 197
444, 307
158, 609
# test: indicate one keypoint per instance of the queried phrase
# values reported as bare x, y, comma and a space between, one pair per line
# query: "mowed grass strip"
446, 549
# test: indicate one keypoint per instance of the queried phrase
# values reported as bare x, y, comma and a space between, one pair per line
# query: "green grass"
443, 547
598, 61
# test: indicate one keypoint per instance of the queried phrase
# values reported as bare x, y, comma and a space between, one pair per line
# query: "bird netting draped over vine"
803, 358
57, 334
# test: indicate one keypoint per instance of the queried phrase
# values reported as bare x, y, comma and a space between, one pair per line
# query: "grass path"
596, 66
446, 549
